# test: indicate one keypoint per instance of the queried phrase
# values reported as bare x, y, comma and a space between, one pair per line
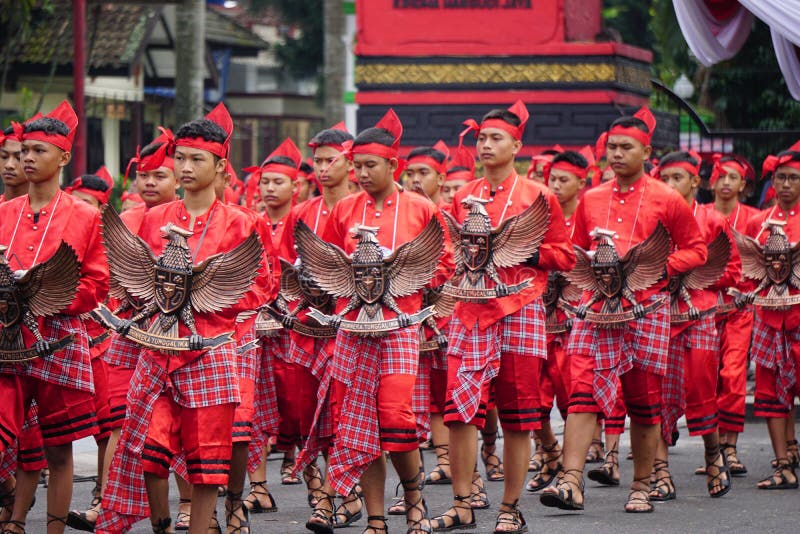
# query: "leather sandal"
478, 499
442, 460
605, 473
233, 505
422, 524
510, 516
324, 517
662, 488
343, 511
371, 529
736, 467
214, 526
288, 478
547, 474
596, 452
253, 503
639, 498
450, 520
793, 453
537, 459
13, 526
722, 479
183, 518
80, 520
562, 495
779, 479
491, 462
312, 477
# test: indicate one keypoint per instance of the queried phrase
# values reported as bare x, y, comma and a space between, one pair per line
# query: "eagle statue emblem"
481, 250
41, 291
702, 277
172, 286
610, 278
372, 277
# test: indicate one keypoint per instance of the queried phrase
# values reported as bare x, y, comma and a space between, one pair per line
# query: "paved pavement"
744, 509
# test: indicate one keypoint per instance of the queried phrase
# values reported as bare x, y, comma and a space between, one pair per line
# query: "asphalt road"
744, 509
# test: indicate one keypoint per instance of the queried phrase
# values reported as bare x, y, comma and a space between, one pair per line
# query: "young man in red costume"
635, 354
375, 375
194, 416
14, 182
33, 226
500, 344
734, 326
690, 384
311, 356
460, 171
776, 332
566, 177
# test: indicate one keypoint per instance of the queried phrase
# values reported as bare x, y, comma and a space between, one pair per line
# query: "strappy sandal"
312, 476
793, 453
13, 526
596, 452
639, 498
510, 516
422, 524
478, 498
161, 526
537, 459
491, 462
398, 507
662, 488
214, 526
450, 520
324, 523
722, 479
442, 460
736, 467
371, 529
183, 518
234, 504
779, 479
562, 496
343, 511
80, 520
252, 501
546, 474
7, 502
288, 477
605, 473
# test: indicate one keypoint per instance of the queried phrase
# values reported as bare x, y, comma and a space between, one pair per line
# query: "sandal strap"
56, 519
184, 501
444, 456
659, 464
162, 525
14, 524
464, 501
382, 518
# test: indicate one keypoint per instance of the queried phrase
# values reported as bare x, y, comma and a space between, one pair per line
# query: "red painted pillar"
79, 77
583, 19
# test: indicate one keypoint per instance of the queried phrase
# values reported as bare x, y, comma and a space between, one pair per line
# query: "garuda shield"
41, 291
367, 278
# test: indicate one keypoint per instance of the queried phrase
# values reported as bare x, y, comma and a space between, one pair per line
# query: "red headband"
647, 118
341, 148
251, 188
787, 160
220, 116
127, 195
63, 113
564, 165
160, 158
741, 167
440, 168
518, 109
462, 158
391, 123
287, 149
693, 170
102, 196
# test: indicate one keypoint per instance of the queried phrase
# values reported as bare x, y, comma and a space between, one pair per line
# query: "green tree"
301, 55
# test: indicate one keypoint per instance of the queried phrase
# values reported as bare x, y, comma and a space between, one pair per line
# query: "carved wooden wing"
582, 275
752, 254
719, 254
328, 265
130, 259
518, 237
219, 281
644, 264
290, 285
51, 286
454, 229
412, 265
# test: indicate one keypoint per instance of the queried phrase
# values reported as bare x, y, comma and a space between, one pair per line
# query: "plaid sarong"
641, 342
521, 333
771, 349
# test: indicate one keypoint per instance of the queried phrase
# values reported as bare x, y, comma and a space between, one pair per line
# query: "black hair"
571, 157
648, 167
150, 149
48, 125
549, 152
503, 115
452, 170
628, 122
306, 168
331, 136
94, 183
282, 160
8, 131
204, 128
374, 135
429, 151
677, 157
